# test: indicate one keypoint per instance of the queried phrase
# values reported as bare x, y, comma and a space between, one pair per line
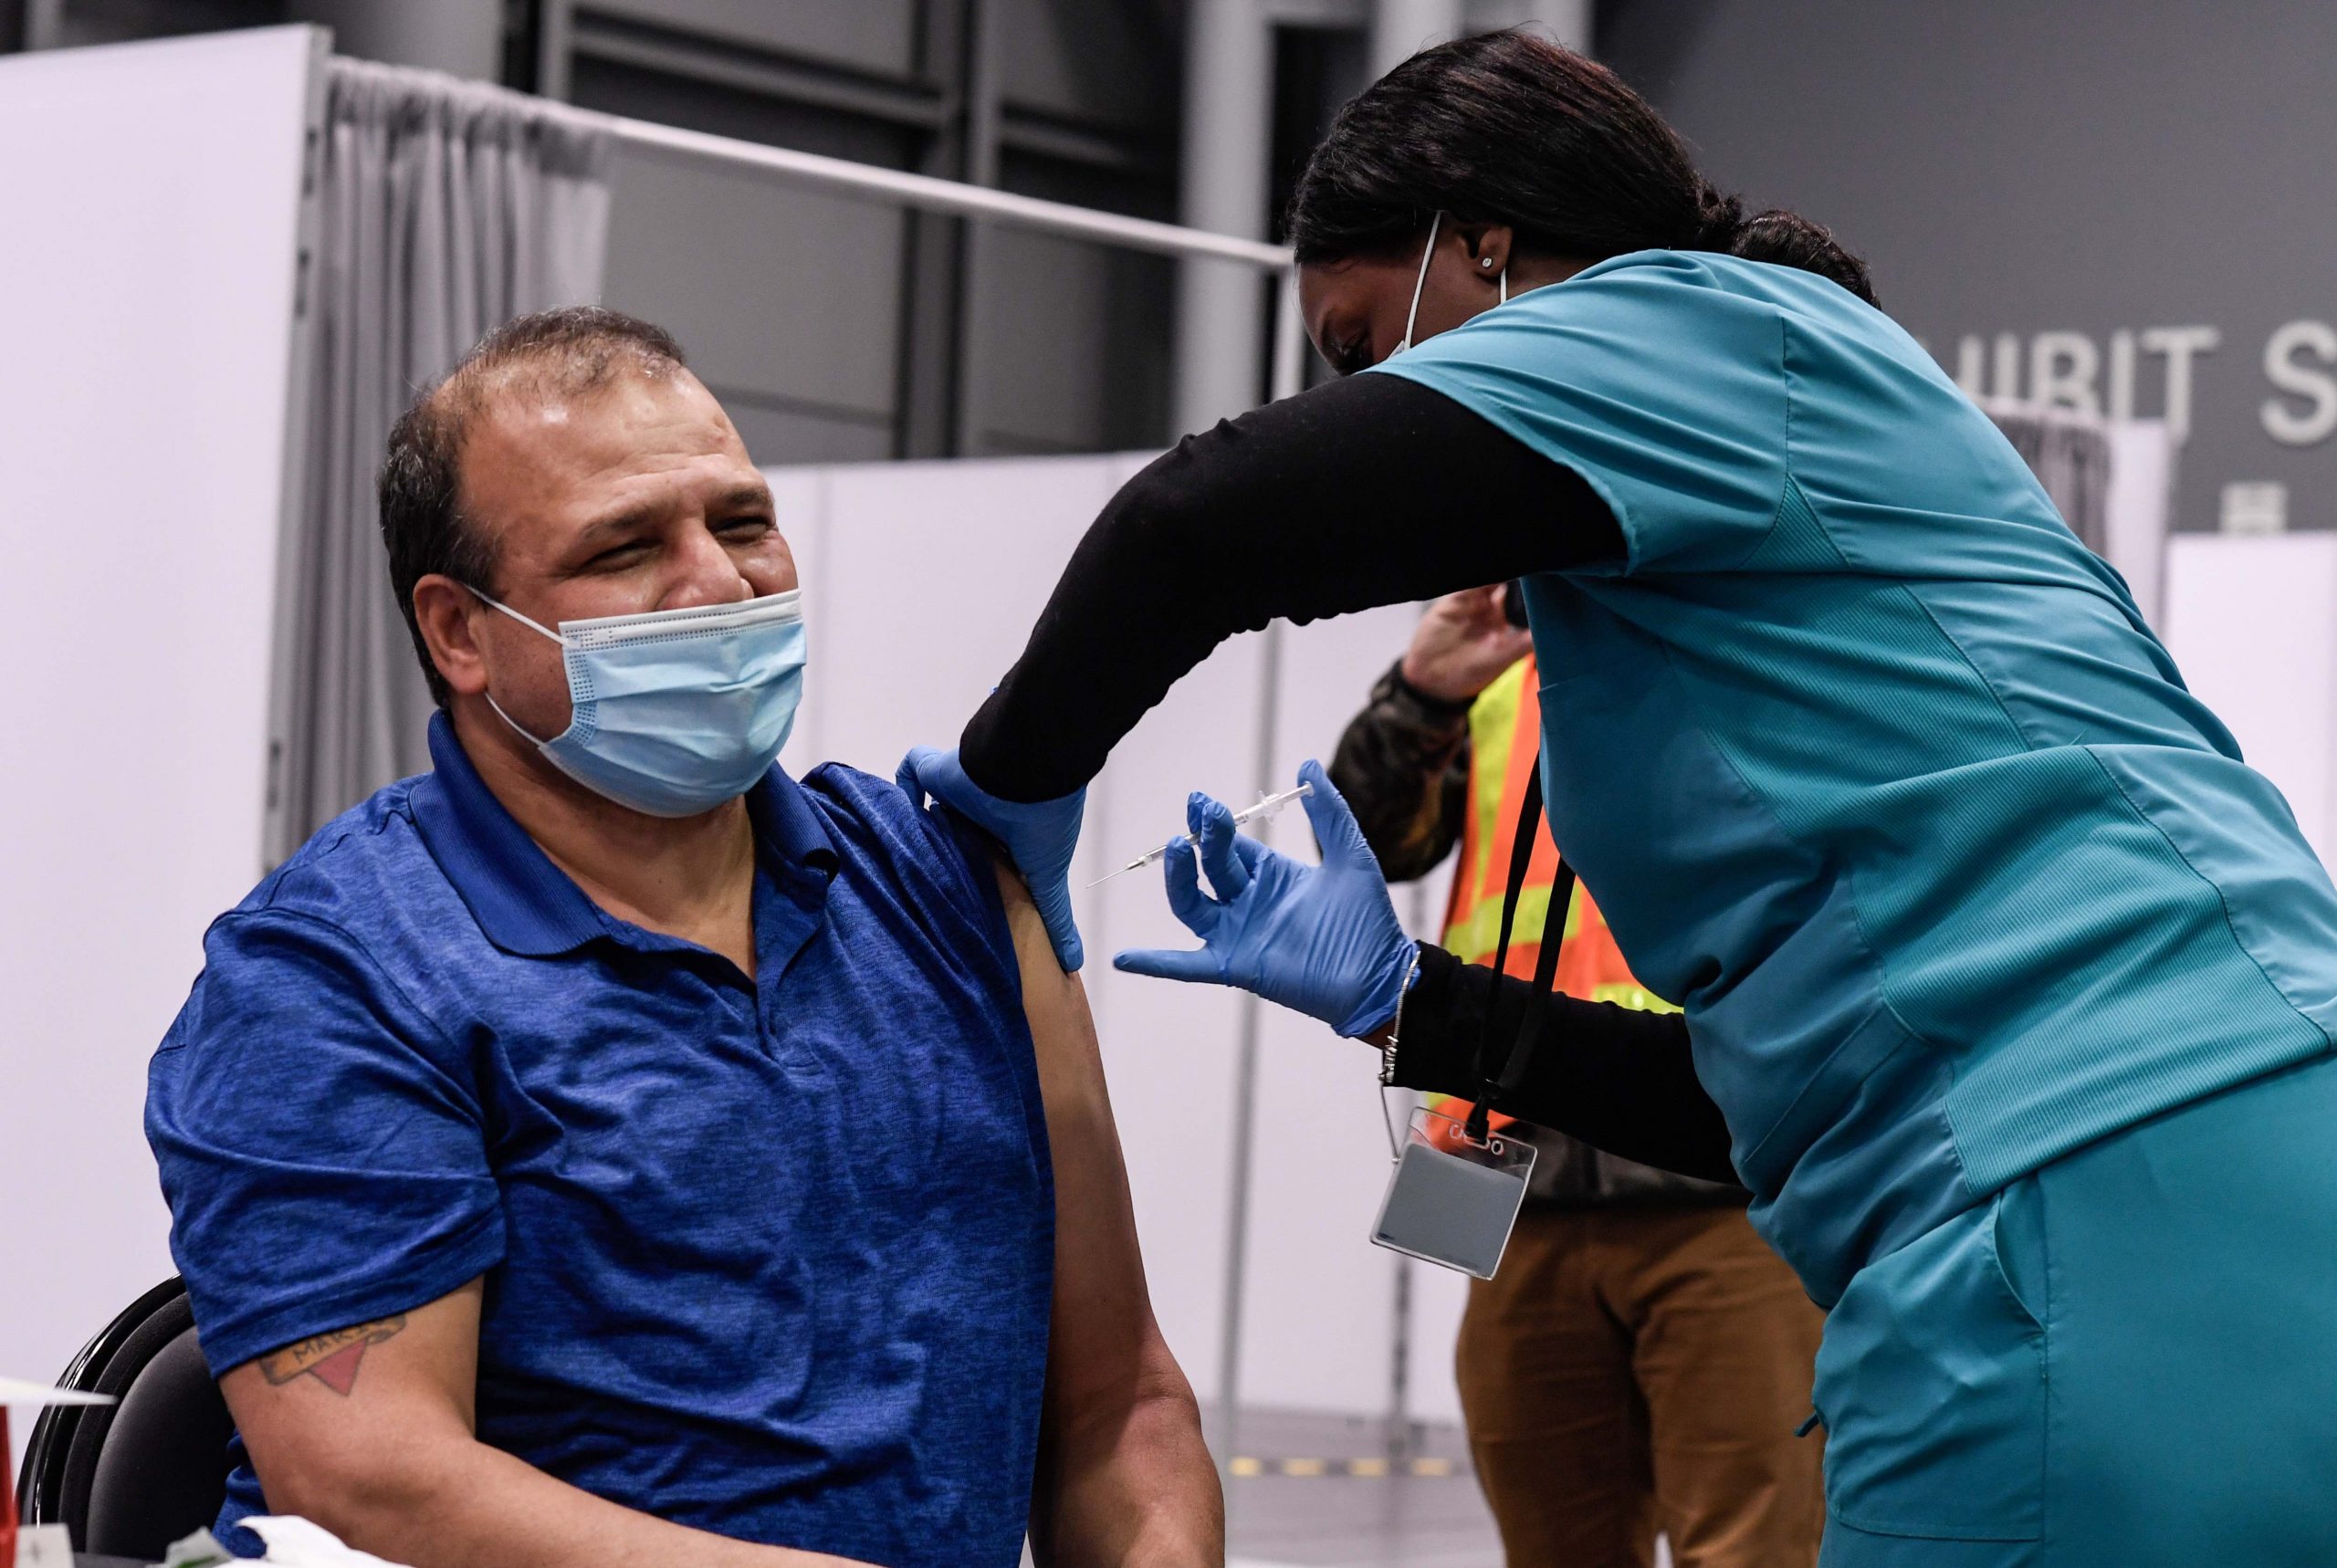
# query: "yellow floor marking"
1247, 1467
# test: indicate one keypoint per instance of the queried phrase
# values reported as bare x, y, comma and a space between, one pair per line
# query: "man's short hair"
553, 353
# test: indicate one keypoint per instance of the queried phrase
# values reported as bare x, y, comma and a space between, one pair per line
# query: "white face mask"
1412, 317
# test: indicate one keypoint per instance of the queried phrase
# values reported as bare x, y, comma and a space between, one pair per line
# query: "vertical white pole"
1289, 347
1401, 28
1245, 1107
1287, 357
1228, 132
43, 24
1567, 21
461, 37
555, 48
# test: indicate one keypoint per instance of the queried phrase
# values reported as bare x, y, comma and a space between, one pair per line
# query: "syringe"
1266, 806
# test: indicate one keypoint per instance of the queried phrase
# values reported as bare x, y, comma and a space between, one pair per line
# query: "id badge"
1452, 1201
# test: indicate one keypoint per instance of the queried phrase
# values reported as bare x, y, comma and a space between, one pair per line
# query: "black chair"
131, 1477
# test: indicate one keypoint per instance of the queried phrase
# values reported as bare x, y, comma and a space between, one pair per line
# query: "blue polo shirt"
769, 1258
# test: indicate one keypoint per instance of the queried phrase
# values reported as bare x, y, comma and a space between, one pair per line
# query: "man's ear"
447, 612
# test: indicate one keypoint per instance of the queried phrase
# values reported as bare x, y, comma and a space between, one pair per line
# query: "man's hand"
1462, 642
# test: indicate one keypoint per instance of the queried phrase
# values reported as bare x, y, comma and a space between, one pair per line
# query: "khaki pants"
1637, 1369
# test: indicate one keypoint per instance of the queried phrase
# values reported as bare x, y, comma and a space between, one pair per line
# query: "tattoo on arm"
330, 1358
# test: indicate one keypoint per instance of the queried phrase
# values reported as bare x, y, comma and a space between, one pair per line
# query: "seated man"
605, 1148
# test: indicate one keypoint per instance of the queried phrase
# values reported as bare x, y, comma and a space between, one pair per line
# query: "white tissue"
295, 1542
200, 1550
44, 1546
16, 1391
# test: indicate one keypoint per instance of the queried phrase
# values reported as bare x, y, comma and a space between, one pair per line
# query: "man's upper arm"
322, 1412
1105, 1344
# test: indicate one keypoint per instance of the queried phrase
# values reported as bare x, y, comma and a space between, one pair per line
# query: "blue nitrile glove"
1320, 939
1039, 836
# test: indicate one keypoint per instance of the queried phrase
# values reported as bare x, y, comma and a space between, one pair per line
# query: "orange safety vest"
1504, 747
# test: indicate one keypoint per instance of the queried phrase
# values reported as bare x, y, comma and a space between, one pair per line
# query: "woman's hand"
1039, 837
1463, 642
1322, 940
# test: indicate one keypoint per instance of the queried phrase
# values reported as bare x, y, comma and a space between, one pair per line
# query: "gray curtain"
2070, 453
446, 208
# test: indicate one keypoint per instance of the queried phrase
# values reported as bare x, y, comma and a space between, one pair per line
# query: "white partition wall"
921, 581
150, 200
1322, 1149
2140, 509
1169, 1049
2252, 622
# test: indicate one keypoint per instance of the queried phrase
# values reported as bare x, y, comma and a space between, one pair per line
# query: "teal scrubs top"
1872, 767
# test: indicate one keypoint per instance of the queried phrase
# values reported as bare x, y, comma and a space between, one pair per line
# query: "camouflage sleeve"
1403, 766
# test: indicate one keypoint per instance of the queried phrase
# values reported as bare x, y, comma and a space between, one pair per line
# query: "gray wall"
838, 330
75, 23
2060, 182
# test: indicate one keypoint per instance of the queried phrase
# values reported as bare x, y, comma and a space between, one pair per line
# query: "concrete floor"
1327, 1491
1330, 1492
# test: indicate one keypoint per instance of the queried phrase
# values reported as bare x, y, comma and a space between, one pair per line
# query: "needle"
1266, 806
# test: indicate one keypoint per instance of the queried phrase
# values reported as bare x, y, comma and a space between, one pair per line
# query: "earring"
1487, 262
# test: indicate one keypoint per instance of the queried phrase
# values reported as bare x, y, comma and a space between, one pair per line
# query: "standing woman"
2008, 986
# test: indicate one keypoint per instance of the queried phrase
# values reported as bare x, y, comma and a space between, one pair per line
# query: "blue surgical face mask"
677, 711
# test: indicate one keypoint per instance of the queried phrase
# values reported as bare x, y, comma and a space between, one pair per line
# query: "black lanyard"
1545, 969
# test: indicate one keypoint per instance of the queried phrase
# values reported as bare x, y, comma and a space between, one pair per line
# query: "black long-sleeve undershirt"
1369, 491
1364, 492
1616, 1078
